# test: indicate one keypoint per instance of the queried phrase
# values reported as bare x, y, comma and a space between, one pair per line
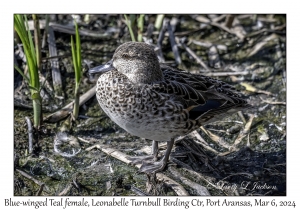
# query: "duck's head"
136, 60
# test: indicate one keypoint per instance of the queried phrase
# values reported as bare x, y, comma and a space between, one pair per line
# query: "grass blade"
22, 74
33, 79
74, 57
78, 51
140, 27
128, 23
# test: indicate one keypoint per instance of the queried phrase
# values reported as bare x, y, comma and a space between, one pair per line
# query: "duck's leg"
154, 167
154, 150
152, 157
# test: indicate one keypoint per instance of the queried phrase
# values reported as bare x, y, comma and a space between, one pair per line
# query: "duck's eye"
125, 55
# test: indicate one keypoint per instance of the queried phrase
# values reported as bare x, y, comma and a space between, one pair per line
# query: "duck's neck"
146, 77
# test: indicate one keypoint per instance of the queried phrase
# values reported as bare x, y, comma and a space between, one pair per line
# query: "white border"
153, 7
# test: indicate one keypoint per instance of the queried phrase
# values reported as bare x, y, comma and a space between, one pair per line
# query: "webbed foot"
153, 167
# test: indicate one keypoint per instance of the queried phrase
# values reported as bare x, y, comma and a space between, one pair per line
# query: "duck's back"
205, 98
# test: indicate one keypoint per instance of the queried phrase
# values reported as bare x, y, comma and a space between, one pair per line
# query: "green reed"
135, 26
33, 58
76, 56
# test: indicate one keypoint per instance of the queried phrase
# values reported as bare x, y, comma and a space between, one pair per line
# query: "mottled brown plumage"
159, 102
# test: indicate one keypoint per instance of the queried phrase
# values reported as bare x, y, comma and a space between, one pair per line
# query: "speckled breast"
140, 110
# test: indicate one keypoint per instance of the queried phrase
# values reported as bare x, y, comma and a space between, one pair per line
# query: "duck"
159, 102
